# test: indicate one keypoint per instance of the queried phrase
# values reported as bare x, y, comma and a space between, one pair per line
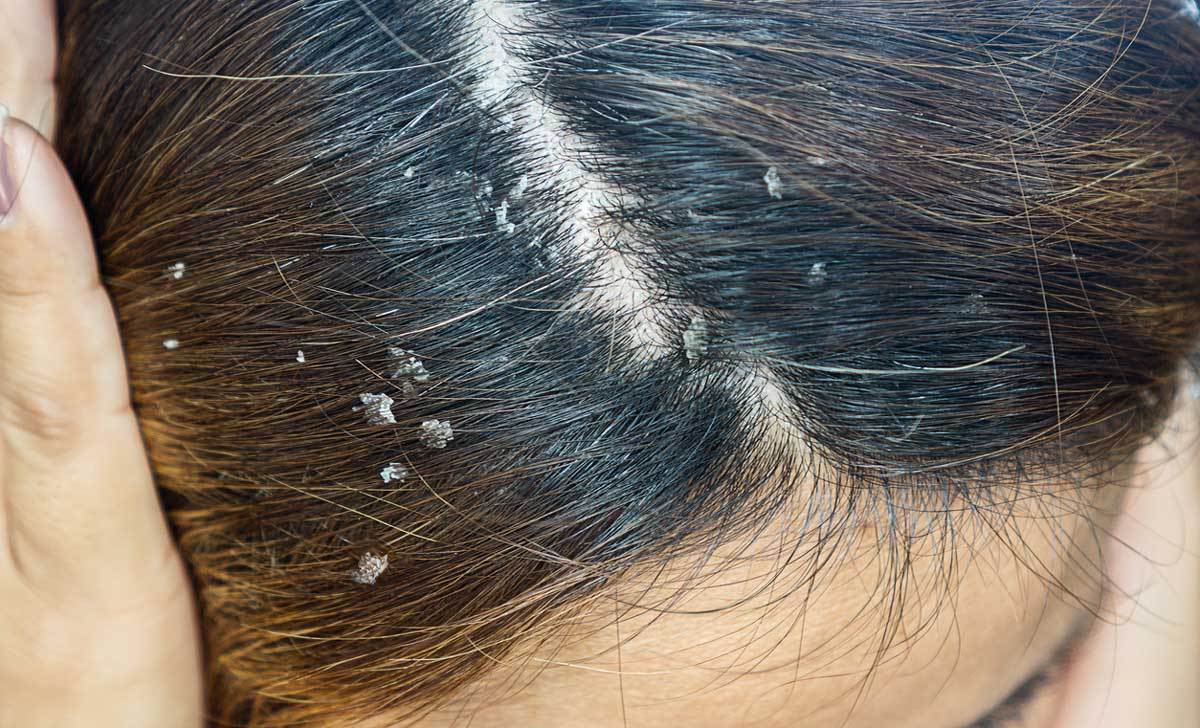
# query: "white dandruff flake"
378, 409
408, 365
976, 304
171, 344
370, 566
410, 172
436, 433
176, 270
520, 187
695, 339
300, 356
774, 183
502, 217
394, 472
817, 274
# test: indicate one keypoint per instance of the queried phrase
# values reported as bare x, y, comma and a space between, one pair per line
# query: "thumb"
75, 485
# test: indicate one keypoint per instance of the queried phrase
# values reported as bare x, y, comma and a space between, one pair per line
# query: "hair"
442, 317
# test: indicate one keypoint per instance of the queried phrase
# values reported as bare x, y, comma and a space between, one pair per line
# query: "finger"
28, 53
73, 471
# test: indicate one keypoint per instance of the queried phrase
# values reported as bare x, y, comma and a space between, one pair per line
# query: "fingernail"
7, 193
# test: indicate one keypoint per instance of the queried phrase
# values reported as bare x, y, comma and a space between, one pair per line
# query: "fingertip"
42, 222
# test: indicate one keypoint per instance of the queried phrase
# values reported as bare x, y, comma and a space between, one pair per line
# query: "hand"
98, 624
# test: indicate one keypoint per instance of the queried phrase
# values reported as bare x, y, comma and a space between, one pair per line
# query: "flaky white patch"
817, 274
520, 187
695, 339
370, 566
771, 412
376, 408
408, 365
171, 344
976, 304
502, 218
620, 285
774, 183
394, 472
436, 433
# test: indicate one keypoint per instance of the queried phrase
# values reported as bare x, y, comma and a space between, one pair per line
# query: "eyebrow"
1015, 703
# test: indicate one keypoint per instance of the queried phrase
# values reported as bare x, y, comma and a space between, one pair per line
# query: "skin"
98, 623
732, 662
1141, 668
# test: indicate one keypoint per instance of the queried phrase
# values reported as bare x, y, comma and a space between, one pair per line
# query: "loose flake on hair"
976, 304
695, 339
817, 274
519, 188
436, 433
394, 472
370, 567
378, 408
774, 183
408, 365
502, 218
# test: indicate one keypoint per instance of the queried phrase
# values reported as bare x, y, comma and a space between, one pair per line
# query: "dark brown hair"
441, 316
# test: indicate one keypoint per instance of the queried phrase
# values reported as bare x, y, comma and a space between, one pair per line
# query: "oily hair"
443, 316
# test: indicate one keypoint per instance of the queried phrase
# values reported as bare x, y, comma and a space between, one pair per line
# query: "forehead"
752, 634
